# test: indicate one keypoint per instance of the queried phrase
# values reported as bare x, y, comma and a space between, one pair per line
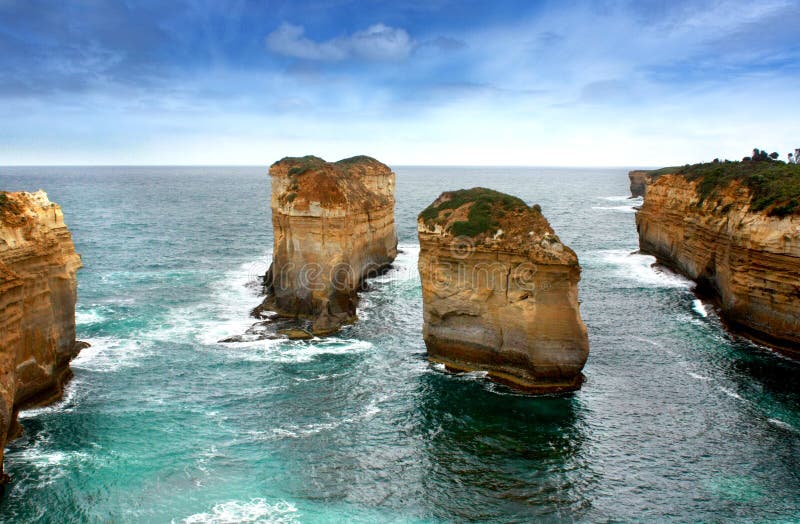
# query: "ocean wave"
66, 404
50, 462
225, 313
404, 267
255, 510
298, 351
622, 198
91, 316
641, 268
699, 308
618, 209
107, 354
299, 431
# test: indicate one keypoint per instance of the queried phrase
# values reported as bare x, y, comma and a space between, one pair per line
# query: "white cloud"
378, 42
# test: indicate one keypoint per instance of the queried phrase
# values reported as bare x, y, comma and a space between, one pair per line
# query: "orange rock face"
503, 299
334, 226
38, 291
749, 260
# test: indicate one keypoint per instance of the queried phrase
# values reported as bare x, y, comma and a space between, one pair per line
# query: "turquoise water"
676, 421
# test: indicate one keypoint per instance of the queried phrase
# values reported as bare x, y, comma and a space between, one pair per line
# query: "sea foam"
255, 510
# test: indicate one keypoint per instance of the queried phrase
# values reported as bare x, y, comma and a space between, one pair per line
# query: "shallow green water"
677, 421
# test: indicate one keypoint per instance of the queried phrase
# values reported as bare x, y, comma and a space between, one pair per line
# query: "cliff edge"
38, 291
500, 292
734, 228
641, 178
333, 226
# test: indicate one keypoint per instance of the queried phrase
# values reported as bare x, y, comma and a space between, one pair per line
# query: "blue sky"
409, 82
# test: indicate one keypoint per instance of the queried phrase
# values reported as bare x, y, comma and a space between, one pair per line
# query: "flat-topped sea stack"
334, 226
38, 292
500, 292
734, 228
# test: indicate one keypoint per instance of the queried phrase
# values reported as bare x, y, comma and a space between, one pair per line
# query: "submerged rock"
38, 292
296, 334
333, 227
500, 292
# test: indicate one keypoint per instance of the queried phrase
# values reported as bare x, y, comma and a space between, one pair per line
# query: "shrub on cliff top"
356, 160
775, 186
487, 204
6, 205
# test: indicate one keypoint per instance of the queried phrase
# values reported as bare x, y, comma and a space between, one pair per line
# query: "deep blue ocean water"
677, 420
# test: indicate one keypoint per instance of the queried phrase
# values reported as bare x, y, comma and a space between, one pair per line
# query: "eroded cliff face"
502, 296
38, 291
750, 260
334, 226
640, 179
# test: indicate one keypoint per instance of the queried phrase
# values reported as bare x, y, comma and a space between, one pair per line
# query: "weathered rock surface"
334, 226
749, 260
500, 292
640, 179
38, 291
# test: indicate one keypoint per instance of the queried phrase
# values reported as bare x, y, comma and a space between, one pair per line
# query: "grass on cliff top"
301, 164
775, 185
487, 204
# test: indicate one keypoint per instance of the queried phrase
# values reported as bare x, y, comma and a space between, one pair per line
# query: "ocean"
677, 420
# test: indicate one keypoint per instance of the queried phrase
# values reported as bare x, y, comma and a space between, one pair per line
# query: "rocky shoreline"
748, 260
38, 292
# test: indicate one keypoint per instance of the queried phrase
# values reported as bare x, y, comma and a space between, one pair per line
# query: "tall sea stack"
38, 292
500, 292
734, 228
334, 226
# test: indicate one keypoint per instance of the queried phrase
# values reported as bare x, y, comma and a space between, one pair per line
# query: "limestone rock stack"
334, 226
38, 291
500, 292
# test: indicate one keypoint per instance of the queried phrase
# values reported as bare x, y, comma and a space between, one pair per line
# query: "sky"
431, 82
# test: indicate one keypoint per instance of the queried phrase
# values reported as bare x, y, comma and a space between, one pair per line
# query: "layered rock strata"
333, 227
38, 291
749, 260
500, 292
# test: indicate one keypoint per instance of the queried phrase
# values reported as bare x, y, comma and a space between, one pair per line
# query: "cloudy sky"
638, 83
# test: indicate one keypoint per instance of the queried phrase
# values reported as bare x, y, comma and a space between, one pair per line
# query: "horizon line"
619, 166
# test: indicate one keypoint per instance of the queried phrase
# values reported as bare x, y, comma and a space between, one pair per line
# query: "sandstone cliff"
38, 291
640, 179
737, 237
334, 226
500, 292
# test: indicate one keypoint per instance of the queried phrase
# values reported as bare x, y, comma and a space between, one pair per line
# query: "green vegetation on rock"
775, 185
355, 160
487, 204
